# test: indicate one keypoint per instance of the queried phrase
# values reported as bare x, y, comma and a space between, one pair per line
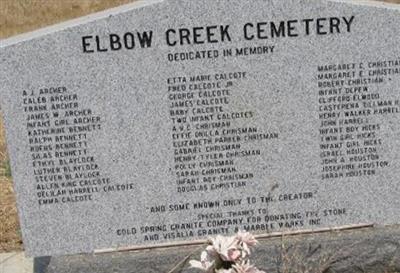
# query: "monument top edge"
144, 3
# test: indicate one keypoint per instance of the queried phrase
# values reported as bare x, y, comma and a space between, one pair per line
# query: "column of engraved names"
350, 97
206, 135
58, 131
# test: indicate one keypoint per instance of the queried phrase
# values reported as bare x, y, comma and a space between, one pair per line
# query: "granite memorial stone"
170, 121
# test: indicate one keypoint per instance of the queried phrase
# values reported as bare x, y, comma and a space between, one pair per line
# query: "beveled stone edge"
140, 4
369, 3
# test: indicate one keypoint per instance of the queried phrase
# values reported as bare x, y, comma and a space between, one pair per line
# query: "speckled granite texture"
169, 121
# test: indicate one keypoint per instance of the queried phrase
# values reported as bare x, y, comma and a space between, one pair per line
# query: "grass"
5, 169
19, 16
10, 238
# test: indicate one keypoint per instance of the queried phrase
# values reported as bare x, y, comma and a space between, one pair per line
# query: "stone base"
368, 250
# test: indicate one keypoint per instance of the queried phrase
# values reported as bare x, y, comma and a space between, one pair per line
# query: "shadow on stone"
370, 250
40, 264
